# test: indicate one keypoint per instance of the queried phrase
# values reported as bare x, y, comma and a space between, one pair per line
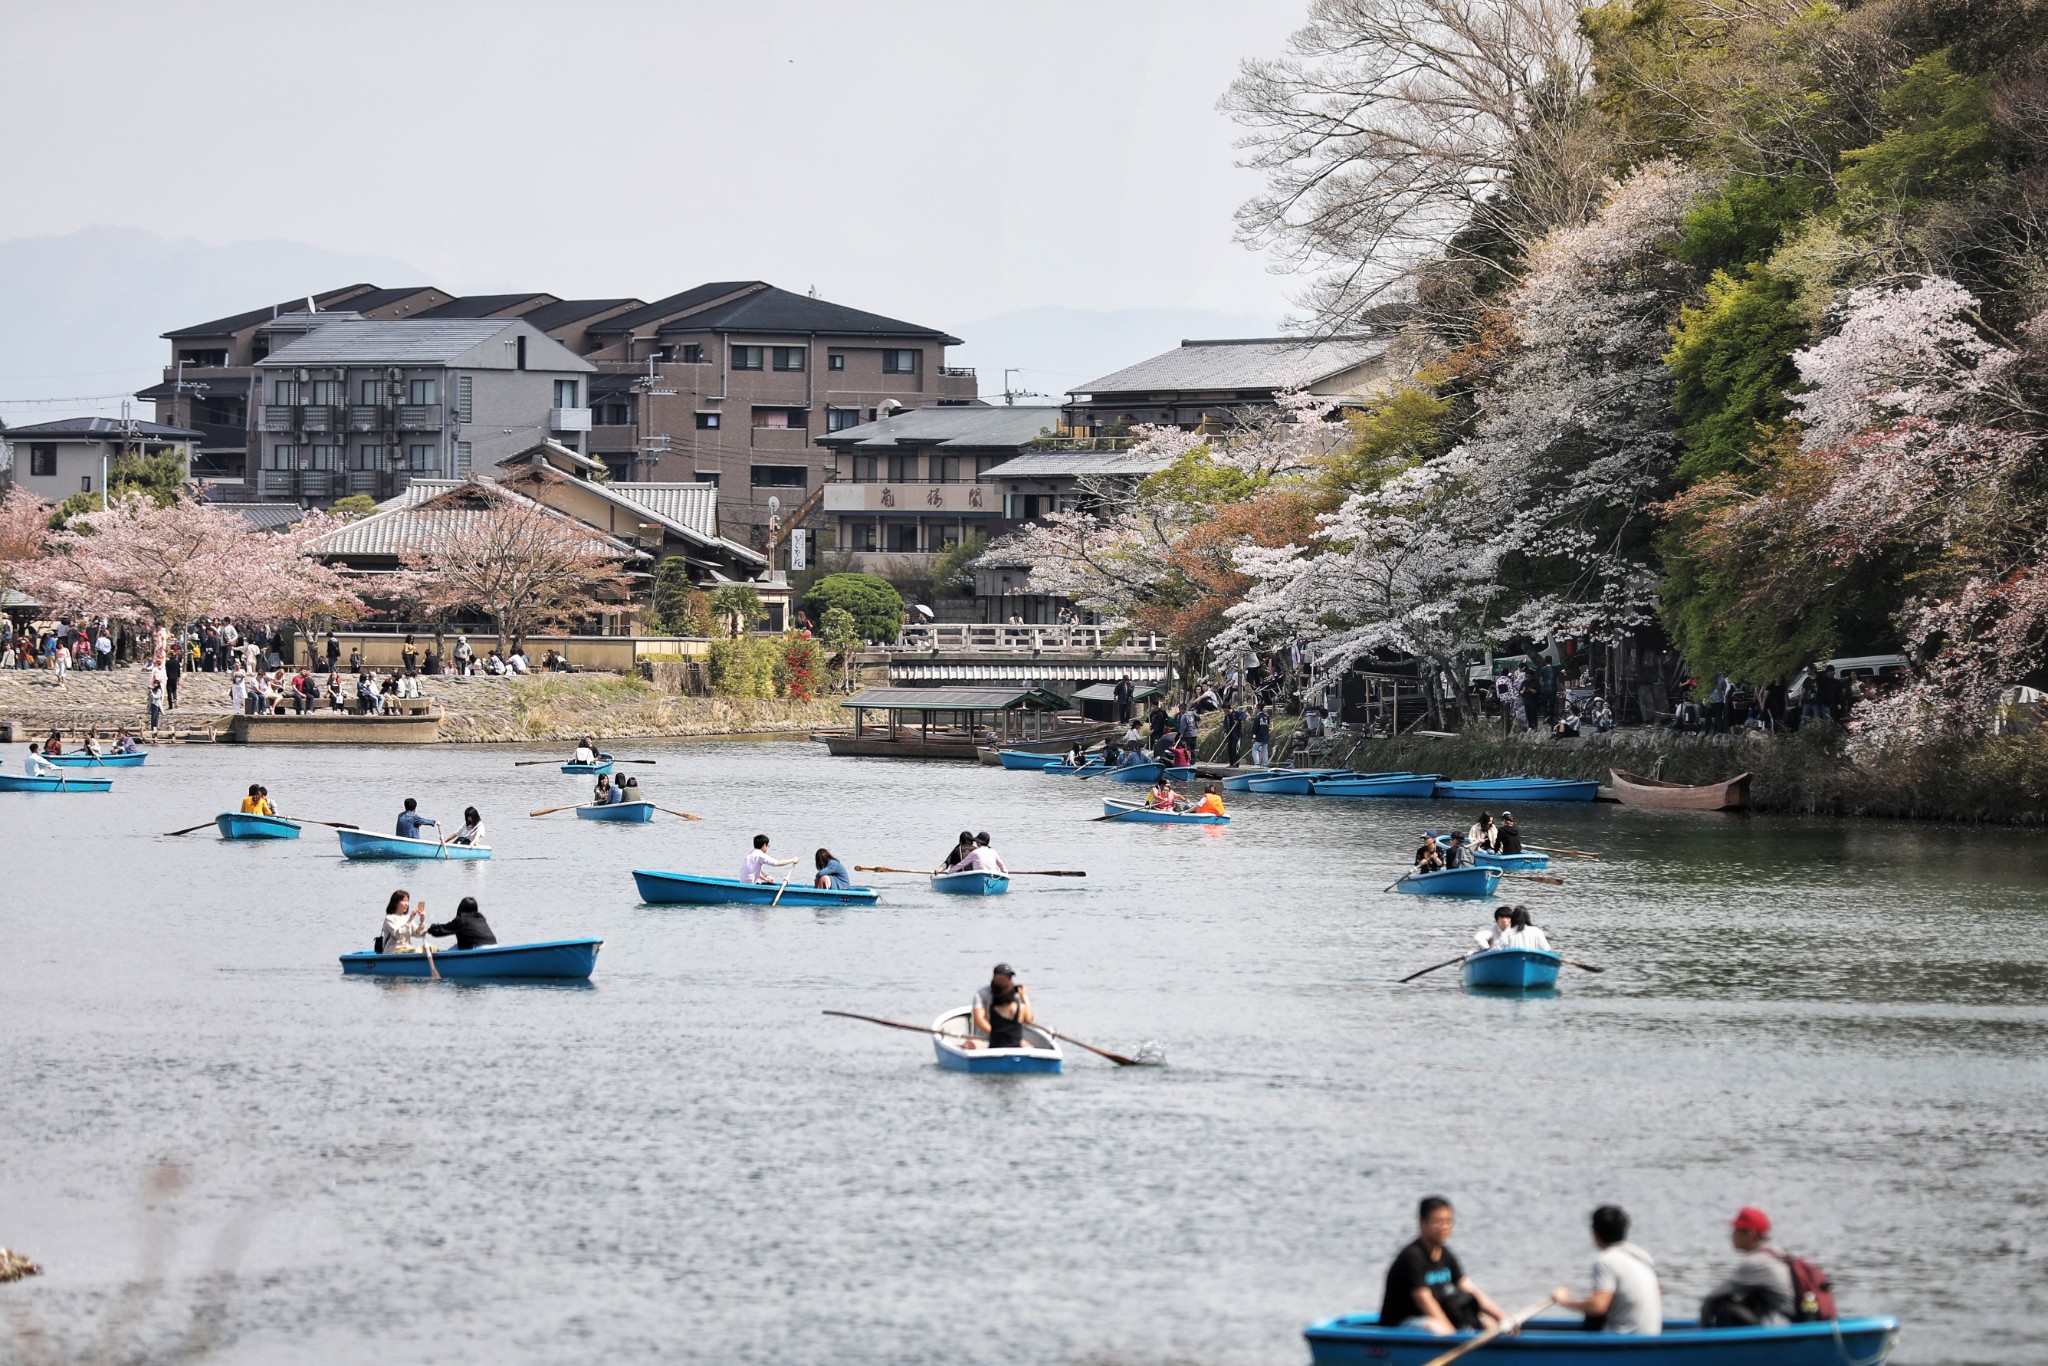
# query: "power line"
74, 398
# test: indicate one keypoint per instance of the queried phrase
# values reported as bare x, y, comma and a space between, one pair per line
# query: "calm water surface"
1845, 1023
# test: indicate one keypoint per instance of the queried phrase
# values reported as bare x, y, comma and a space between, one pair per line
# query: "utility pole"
651, 386
1010, 395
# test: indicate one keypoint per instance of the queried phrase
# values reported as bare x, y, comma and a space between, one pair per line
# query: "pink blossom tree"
24, 527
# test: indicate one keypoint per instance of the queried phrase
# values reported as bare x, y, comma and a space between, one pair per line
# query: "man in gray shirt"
1759, 1291
1626, 1296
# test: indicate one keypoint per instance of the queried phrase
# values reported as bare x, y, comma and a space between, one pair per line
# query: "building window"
372, 391
780, 476
421, 459
863, 537
835, 361
281, 458
463, 410
707, 422
789, 357
746, 358
326, 393
618, 414
902, 538
565, 394
839, 419
42, 460
949, 469
664, 354
693, 354
902, 469
867, 469
85, 483
939, 536
367, 458
325, 458
794, 419
424, 392
462, 450
708, 477
213, 358
284, 391
899, 362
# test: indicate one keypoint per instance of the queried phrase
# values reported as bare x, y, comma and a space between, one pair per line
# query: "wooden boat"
692, 889
1635, 790
1512, 969
1505, 791
339, 728
1411, 785
1139, 813
950, 1035
624, 813
1451, 882
973, 882
551, 959
1026, 761
241, 825
1511, 863
361, 844
61, 783
603, 765
134, 760
1358, 1340
1135, 773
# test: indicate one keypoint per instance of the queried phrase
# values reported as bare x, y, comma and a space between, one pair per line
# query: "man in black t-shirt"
1426, 1288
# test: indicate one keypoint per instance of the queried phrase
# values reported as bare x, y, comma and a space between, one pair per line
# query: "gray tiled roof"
263, 516
1253, 363
222, 327
402, 524
95, 427
1073, 464
761, 307
411, 341
686, 505
957, 699
485, 305
948, 425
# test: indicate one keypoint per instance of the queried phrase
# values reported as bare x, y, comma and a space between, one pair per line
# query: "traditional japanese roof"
1057, 464
263, 516
948, 425
100, 429
958, 699
1247, 363
689, 511
1106, 692
427, 512
761, 307
422, 341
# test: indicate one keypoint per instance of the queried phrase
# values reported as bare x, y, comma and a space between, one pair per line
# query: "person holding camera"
1001, 1009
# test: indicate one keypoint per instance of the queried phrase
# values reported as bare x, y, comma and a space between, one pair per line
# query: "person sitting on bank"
1509, 835
1001, 1010
469, 927
402, 920
832, 874
1211, 803
1626, 1296
257, 803
1759, 1291
1427, 1288
962, 850
471, 833
754, 867
410, 821
1429, 858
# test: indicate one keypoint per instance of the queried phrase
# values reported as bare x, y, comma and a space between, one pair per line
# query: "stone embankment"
558, 707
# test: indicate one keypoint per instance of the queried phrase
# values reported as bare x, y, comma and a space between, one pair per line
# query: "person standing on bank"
1427, 1288
1262, 738
1626, 1296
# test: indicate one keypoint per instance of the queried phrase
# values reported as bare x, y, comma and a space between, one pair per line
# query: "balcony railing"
419, 417
372, 417
318, 417
976, 636
280, 418
957, 371
568, 419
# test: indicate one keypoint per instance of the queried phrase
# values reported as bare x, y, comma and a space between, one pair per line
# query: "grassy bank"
565, 707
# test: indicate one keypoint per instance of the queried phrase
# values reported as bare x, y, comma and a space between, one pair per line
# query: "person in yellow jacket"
257, 803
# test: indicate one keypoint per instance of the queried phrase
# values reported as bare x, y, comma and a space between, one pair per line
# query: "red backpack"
1813, 1294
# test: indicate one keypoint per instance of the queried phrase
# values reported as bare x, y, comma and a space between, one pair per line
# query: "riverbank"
474, 710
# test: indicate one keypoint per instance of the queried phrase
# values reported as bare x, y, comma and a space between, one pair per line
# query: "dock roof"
957, 699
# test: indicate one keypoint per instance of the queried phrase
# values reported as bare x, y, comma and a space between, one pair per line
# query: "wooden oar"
1536, 877
778, 894
1551, 849
1507, 1325
430, 955
187, 830
1048, 872
1426, 971
337, 825
1399, 880
1125, 812
551, 810
882, 868
684, 814
528, 763
1577, 964
633, 761
876, 1019
1119, 1059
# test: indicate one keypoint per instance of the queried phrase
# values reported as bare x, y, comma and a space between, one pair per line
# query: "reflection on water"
1839, 1022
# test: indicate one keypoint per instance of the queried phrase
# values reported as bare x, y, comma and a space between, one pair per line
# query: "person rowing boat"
257, 803
1001, 1010
1495, 938
36, 766
962, 850
586, 752
410, 821
1162, 797
1211, 803
1429, 858
982, 858
469, 928
754, 867
124, 743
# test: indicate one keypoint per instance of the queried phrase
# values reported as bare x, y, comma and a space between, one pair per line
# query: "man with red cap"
1759, 1290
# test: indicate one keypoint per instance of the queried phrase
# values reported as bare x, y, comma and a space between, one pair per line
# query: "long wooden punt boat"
1512, 969
134, 760
973, 882
361, 844
1145, 815
951, 1034
1655, 793
1410, 785
1358, 1340
240, 825
1451, 882
556, 959
1506, 790
624, 813
61, 783
692, 889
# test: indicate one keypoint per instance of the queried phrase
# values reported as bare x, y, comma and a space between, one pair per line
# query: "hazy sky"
935, 161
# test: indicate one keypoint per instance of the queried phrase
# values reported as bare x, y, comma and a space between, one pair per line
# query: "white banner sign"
799, 548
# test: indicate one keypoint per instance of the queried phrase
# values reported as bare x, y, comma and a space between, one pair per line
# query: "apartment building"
356, 406
738, 384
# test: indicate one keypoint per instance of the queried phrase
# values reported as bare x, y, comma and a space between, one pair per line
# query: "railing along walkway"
999, 638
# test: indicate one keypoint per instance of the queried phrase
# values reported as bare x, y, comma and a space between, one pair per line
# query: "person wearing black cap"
983, 857
1001, 1009
1428, 858
958, 854
1508, 835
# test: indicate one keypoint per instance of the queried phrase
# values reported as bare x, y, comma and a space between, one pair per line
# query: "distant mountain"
1060, 349
81, 313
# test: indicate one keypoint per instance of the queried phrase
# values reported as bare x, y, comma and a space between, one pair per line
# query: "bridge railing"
997, 637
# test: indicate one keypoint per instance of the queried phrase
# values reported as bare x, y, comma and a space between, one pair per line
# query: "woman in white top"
1483, 835
472, 831
1523, 933
402, 920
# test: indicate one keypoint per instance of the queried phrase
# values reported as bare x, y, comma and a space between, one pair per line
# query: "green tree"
1943, 143
672, 592
841, 635
876, 608
953, 567
1730, 363
354, 506
738, 605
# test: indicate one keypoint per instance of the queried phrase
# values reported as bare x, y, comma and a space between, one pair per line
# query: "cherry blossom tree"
24, 526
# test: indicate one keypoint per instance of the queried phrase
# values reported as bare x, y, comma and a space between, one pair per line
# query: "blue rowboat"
557, 959
1026, 761
363, 844
1416, 785
104, 761
1451, 882
240, 825
1513, 863
60, 783
1505, 790
1136, 813
1181, 773
1512, 969
1358, 1340
625, 813
601, 766
1242, 782
690, 889
1135, 773
1062, 769
973, 882
950, 1036
1293, 782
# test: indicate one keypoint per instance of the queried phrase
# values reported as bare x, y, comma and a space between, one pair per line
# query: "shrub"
744, 666
738, 606
877, 609
953, 567
802, 672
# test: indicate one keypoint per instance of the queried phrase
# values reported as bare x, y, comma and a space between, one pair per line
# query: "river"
1843, 1023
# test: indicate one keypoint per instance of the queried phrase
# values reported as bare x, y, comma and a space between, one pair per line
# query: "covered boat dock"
944, 723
